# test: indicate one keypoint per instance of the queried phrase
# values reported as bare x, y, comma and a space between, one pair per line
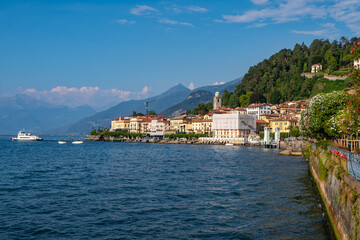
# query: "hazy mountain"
158, 103
24, 112
200, 95
191, 101
229, 86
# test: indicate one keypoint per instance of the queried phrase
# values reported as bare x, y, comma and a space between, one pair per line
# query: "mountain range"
22, 112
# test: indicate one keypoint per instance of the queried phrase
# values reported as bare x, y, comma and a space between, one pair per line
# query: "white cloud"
275, 12
291, 10
328, 31
191, 86
172, 22
196, 9
124, 22
259, 2
218, 83
142, 10
347, 11
92, 96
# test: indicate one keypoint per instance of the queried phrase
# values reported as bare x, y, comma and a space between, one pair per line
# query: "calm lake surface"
154, 191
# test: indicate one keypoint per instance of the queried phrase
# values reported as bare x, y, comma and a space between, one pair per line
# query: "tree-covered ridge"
279, 78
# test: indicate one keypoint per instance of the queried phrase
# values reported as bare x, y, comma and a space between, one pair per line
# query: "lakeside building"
176, 122
357, 63
159, 127
283, 123
261, 125
258, 109
202, 126
316, 68
186, 126
233, 125
120, 123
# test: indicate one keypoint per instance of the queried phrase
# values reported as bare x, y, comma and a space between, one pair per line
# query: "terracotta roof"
261, 121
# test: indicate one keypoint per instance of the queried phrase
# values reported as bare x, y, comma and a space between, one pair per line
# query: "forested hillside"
279, 79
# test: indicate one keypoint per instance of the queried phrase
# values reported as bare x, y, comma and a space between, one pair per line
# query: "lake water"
154, 191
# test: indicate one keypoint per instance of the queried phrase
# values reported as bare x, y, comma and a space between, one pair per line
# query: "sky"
106, 51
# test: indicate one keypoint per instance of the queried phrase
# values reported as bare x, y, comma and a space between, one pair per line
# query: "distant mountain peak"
177, 87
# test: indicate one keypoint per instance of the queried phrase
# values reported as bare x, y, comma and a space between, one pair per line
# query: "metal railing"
352, 160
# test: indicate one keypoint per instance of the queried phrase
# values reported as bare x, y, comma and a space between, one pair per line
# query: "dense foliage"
279, 77
201, 109
319, 119
118, 133
335, 114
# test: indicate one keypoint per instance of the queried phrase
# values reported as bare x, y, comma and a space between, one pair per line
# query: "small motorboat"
61, 142
77, 142
229, 144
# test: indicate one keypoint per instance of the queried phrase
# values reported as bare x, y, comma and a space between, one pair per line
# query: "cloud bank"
92, 96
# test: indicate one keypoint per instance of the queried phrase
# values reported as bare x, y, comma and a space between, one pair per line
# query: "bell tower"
217, 101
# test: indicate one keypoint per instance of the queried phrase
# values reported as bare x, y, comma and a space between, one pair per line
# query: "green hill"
279, 78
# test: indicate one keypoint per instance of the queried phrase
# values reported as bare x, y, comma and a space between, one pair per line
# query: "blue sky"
98, 52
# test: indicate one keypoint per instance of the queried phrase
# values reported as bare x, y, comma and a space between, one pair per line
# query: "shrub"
323, 172
338, 171
322, 144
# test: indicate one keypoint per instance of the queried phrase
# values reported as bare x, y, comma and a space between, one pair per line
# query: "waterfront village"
222, 124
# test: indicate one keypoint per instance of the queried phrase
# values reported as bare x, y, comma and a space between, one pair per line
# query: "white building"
158, 127
233, 125
316, 68
258, 109
357, 63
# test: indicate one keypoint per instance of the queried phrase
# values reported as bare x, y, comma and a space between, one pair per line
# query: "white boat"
229, 144
23, 136
61, 142
77, 142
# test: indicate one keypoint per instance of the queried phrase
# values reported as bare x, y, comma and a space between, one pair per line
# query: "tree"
152, 112
225, 98
257, 98
333, 63
245, 99
209, 106
200, 109
135, 114
188, 112
233, 101
275, 96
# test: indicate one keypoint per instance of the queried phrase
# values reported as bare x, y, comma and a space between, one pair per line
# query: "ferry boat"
23, 136
77, 142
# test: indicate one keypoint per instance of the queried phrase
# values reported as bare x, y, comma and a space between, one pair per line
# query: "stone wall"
340, 192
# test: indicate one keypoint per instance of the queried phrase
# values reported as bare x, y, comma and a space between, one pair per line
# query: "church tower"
217, 101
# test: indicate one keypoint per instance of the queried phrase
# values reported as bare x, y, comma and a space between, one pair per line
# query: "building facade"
316, 68
258, 109
233, 125
357, 63
120, 123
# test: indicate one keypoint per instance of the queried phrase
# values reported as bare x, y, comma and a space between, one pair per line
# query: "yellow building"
176, 122
283, 124
120, 123
203, 126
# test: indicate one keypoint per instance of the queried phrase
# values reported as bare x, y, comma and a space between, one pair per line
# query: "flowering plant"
355, 49
339, 154
320, 120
